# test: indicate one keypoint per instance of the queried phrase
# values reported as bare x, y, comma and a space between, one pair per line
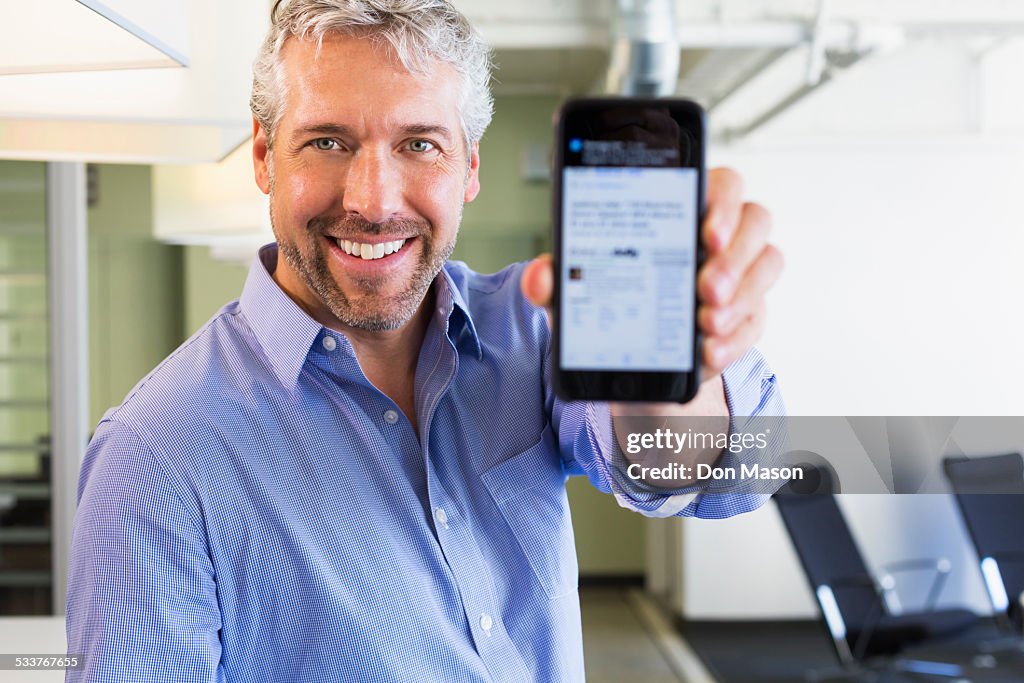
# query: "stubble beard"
371, 310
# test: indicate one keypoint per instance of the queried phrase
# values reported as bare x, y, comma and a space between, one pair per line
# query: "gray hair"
418, 31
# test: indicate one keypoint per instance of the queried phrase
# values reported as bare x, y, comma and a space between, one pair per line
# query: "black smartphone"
628, 205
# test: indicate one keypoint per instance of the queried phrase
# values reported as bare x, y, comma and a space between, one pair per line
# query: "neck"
390, 353
388, 358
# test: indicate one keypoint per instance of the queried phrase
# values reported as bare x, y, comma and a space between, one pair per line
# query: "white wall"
902, 287
895, 193
901, 296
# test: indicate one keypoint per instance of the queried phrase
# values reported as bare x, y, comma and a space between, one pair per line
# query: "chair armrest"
887, 581
994, 584
863, 581
875, 614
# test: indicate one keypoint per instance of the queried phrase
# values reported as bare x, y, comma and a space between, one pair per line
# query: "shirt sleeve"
588, 446
142, 602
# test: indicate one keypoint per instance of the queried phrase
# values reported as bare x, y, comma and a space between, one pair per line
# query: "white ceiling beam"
46, 36
143, 115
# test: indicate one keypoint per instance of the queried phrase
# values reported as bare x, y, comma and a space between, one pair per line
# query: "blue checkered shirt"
256, 510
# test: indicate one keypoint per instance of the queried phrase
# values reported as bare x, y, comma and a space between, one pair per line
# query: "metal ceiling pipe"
645, 49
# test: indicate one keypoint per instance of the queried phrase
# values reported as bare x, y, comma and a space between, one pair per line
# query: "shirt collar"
449, 297
285, 332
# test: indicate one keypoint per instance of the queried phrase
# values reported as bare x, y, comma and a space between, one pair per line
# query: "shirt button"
329, 343
442, 517
486, 622
390, 416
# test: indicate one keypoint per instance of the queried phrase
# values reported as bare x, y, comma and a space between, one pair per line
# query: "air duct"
645, 49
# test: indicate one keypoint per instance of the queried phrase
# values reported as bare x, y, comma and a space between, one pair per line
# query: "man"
356, 472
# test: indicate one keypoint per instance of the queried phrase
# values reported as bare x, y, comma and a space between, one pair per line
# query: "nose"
372, 186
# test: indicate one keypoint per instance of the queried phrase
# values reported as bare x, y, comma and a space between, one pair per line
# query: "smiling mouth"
370, 252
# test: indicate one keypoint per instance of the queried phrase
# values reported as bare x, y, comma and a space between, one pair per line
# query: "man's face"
370, 155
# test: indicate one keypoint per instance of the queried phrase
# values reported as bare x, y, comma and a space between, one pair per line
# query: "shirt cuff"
749, 392
633, 494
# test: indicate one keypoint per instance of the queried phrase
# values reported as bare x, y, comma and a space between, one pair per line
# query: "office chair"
990, 494
859, 610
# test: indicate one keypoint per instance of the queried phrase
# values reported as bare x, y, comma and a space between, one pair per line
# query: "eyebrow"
322, 128
341, 130
428, 129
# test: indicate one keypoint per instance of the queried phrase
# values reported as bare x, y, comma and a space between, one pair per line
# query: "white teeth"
370, 252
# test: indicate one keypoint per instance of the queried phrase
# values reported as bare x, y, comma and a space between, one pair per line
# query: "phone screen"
630, 203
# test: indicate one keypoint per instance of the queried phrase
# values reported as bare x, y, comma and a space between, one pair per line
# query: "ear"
473, 178
260, 158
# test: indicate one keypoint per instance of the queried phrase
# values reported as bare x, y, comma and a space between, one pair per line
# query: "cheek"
306, 195
438, 197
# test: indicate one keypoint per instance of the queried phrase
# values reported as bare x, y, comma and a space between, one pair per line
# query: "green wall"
510, 219
24, 383
209, 284
135, 287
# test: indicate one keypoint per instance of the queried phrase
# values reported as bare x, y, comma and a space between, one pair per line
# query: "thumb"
537, 282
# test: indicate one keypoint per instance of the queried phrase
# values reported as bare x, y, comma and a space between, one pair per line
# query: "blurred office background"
886, 137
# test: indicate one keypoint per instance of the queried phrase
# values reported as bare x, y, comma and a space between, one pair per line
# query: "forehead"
359, 81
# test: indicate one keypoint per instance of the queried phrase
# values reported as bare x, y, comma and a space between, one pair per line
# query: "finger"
719, 352
537, 281
723, 320
725, 202
723, 272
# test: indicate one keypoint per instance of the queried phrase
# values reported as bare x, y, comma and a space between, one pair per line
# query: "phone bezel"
624, 385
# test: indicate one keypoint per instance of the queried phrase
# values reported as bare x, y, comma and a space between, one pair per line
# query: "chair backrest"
1002, 474
990, 493
829, 555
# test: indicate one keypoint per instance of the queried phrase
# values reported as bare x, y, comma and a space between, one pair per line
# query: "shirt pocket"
529, 489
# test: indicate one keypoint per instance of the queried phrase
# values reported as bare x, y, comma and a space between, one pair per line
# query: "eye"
421, 145
325, 144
